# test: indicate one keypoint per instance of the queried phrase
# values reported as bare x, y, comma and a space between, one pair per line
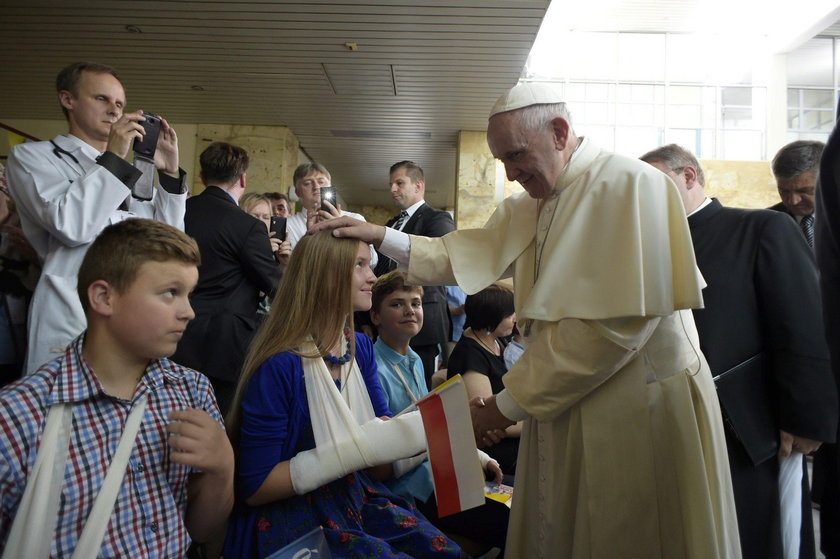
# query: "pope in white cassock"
622, 452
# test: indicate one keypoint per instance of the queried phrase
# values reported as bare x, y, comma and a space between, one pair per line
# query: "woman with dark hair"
479, 358
307, 422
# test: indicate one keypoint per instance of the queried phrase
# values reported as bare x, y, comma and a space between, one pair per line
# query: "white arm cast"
484, 458
379, 442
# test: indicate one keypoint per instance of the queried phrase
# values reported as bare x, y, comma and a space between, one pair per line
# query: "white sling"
38, 508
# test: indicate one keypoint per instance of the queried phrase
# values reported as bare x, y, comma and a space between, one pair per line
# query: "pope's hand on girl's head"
346, 226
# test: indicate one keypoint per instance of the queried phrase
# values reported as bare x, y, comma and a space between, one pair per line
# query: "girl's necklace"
330, 358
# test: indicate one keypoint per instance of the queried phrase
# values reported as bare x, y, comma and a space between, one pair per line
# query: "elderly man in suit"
408, 188
237, 265
767, 352
796, 167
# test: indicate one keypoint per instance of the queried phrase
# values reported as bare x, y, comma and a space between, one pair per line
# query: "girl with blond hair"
307, 422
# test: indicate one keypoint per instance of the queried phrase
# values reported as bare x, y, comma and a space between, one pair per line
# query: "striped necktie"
807, 225
400, 220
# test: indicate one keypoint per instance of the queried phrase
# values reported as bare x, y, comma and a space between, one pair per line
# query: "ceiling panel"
422, 71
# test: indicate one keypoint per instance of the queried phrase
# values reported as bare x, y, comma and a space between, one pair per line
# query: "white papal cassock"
623, 453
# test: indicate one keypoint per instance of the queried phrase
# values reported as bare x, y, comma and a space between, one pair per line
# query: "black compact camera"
329, 194
278, 227
147, 146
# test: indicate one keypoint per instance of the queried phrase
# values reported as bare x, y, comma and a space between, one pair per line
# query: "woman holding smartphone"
307, 423
259, 206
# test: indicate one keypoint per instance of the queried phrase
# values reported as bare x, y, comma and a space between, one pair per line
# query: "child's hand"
492, 469
197, 440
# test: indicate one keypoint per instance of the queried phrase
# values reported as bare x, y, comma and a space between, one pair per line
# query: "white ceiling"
423, 69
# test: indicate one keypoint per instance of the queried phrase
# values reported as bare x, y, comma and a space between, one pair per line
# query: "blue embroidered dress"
360, 516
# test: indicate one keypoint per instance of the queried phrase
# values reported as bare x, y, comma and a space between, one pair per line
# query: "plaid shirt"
148, 516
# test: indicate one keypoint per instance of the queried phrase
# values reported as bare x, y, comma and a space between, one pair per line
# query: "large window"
636, 91
810, 113
631, 118
812, 89
645, 89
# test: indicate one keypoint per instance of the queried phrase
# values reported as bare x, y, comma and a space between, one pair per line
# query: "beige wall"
481, 184
741, 184
273, 149
275, 154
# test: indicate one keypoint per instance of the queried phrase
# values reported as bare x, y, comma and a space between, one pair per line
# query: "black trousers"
485, 524
827, 494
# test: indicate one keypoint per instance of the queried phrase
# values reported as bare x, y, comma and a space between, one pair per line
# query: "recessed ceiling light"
196, 88
133, 29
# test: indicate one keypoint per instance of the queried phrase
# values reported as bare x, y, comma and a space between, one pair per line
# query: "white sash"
38, 509
37, 514
336, 415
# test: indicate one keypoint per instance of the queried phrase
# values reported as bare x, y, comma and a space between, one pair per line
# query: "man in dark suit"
408, 187
762, 329
795, 167
827, 244
237, 264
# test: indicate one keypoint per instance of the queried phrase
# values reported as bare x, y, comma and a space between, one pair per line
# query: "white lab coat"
63, 205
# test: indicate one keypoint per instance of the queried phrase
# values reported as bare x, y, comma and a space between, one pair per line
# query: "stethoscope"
58, 151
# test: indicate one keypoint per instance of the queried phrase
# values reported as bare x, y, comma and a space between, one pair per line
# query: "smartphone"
278, 226
329, 194
147, 146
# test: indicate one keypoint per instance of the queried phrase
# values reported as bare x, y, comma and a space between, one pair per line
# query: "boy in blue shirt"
397, 314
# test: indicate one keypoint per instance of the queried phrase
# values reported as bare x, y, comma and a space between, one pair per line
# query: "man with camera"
310, 179
237, 267
69, 188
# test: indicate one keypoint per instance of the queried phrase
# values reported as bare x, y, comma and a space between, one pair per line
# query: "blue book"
312, 545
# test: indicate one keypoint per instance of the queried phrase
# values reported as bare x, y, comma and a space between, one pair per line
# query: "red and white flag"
456, 469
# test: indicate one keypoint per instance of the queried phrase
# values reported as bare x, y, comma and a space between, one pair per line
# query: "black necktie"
807, 225
400, 220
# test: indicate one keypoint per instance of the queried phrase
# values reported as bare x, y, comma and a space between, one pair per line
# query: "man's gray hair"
537, 116
308, 168
676, 158
797, 158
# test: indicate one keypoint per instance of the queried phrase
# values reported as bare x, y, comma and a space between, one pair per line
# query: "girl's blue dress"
360, 516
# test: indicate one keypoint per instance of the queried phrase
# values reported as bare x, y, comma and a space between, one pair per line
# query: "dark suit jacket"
827, 247
780, 207
236, 265
428, 222
763, 297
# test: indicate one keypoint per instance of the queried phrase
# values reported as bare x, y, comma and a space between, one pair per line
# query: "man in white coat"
622, 452
69, 188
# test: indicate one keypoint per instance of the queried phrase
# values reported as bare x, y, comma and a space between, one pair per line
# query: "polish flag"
456, 469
